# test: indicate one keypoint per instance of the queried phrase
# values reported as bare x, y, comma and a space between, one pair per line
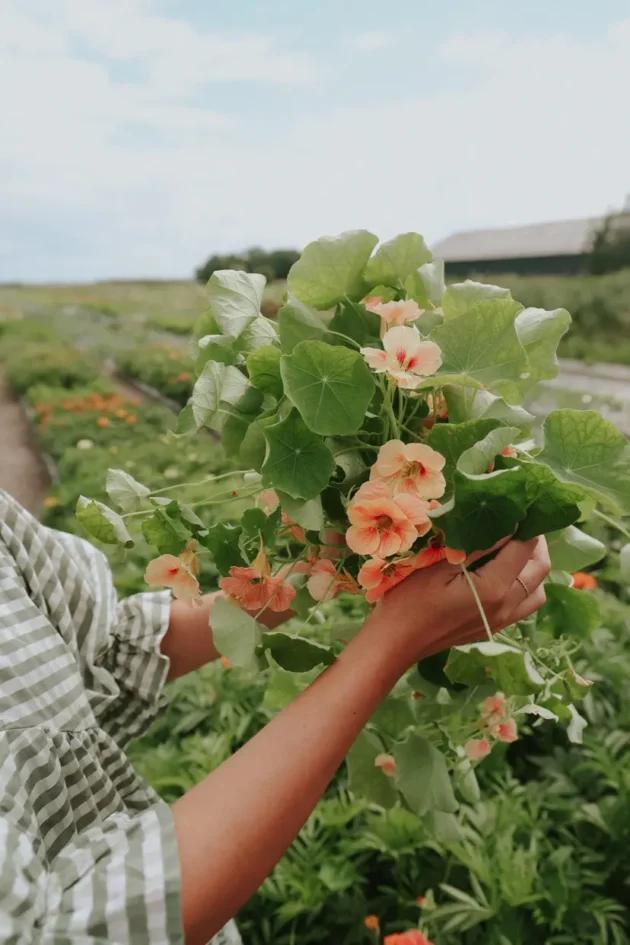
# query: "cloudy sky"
138, 136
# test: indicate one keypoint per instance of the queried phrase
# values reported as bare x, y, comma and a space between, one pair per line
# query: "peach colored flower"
477, 748
509, 451
493, 706
436, 552
505, 731
583, 581
268, 501
371, 923
384, 526
387, 764
371, 301
412, 937
254, 587
410, 467
225, 663
394, 314
295, 530
379, 576
326, 582
406, 358
178, 573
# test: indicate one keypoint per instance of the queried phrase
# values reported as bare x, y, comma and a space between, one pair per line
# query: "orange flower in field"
379, 576
371, 923
412, 937
437, 551
393, 314
178, 573
102, 422
131, 419
325, 582
254, 587
583, 581
268, 501
405, 357
387, 764
51, 502
410, 467
385, 526
121, 414
505, 731
477, 748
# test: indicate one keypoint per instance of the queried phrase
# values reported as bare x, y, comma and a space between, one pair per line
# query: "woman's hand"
435, 608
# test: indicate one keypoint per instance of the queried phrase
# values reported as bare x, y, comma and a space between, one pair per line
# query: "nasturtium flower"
268, 501
296, 531
178, 573
387, 764
410, 467
477, 748
326, 582
394, 314
371, 301
412, 937
254, 587
436, 552
583, 581
493, 707
379, 576
505, 731
385, 526
406, 358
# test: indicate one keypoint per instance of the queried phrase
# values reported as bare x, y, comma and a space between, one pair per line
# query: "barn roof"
561, 238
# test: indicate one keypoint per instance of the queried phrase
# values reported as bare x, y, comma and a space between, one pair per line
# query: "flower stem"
482, 613
201, 482
612, 522
388, 404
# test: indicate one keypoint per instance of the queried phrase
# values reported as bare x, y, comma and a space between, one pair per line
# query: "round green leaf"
395, 260
574, 550
512, 669
125, 491
570, 611
461, 296
218, 387
366, 780
331, 268
583, 448
422, 776
295, 653
263, 367
235, 634
331, 387
539, 332
298, 461
235, 299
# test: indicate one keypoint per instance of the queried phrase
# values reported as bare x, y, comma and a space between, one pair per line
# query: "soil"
22, 471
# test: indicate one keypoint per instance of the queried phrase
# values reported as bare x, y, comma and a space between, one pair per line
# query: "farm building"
541, 248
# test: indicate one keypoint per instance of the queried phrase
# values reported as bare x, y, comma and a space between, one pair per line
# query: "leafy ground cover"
163, 367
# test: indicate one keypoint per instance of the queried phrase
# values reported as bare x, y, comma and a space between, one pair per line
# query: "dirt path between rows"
22, 470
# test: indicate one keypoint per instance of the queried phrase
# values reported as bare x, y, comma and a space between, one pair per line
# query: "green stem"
201, 482
345, 337
612, 522
482, 613
220, 497
411, 433
388, 404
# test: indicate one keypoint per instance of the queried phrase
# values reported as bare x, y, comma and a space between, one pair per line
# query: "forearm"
237, 823
188, 642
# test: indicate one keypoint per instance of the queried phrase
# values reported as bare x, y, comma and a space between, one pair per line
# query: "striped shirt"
88, 854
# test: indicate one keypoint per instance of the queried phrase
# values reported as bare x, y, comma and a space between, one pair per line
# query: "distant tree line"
273, 265
611, 246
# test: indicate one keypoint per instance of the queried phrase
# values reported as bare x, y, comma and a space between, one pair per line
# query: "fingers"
510, 561
529, 606
476, 555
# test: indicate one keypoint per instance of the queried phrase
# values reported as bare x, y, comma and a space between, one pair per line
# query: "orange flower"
383, 526
131, 419
413, 467
371, 301
379, 576
371, 923
412, 937
178, 573
51, 502
387, 764
121, 414
102, 422
184, 376
477, 748
437, 551
583, 581
494, 706
505, 731
394, 314
254, 587
296, 530
325, 582
268, 501
225, 663
406, 358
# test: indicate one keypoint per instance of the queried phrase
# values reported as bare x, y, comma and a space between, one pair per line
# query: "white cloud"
535, 135
370, 41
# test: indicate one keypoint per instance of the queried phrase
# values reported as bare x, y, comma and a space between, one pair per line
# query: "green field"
544, 855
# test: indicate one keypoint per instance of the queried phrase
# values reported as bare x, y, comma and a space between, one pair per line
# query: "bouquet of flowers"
378, 426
